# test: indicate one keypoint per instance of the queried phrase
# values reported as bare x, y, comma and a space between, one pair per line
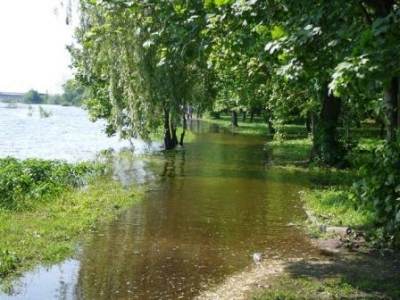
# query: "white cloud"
33, 46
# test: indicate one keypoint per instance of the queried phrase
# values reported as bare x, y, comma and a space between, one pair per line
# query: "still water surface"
210, 206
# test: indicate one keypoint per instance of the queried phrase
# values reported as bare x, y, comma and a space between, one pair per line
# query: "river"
208, 208
67, 133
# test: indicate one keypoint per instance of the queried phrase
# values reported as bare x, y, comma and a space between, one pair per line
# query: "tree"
144, 64
33, 97
73, 93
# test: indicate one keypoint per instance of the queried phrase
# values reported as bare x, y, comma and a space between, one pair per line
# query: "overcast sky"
32, 47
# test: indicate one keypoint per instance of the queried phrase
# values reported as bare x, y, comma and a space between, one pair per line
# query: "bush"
22, 183
380, 187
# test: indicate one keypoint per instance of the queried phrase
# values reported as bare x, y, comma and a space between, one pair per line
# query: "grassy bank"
47, 227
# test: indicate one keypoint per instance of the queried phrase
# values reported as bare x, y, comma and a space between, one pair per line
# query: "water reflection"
57, 282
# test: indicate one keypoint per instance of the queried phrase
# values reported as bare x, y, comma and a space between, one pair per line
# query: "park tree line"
333, 64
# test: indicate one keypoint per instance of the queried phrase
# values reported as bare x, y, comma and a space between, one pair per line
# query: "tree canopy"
329, 63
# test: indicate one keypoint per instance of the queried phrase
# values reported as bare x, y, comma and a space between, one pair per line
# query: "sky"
33, 39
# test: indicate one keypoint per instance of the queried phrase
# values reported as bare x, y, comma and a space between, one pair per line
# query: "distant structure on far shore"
11, 96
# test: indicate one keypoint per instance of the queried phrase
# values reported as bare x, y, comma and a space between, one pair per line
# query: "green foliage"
380, 187
73, 94
143, 66
24, 183
33, 97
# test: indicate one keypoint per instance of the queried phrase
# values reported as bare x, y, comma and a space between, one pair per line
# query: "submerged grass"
48, 233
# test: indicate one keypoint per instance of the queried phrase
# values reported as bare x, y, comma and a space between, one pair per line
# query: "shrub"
22, 183
380, 187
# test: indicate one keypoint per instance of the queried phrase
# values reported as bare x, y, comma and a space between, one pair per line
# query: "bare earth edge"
241, 285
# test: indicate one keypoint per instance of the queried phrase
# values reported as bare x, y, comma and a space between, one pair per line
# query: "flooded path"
211, 205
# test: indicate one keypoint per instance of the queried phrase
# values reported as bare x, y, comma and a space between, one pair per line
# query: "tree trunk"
184, 127
174, 137
169, 142
391, 98
309, 123
382, 130
244, 116
251, 116
235, 119
326, 148
267, 117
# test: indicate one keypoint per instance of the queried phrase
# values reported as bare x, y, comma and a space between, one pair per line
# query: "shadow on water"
210, 206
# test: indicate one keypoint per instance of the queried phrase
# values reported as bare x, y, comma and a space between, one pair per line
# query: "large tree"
144, 63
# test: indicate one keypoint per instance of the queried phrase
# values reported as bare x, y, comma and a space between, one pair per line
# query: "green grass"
334, 281
336, 207
286, 288
49, 232
283, 152
258, 127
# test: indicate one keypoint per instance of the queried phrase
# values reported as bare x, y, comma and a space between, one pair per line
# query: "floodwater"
208, 208
66, 133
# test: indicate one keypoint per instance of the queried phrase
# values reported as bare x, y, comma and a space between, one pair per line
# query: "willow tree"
144, 64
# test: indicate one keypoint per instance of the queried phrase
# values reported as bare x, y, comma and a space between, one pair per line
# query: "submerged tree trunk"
184, 127
170, 140
391, 98
174, 136
326, 148
235, 118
